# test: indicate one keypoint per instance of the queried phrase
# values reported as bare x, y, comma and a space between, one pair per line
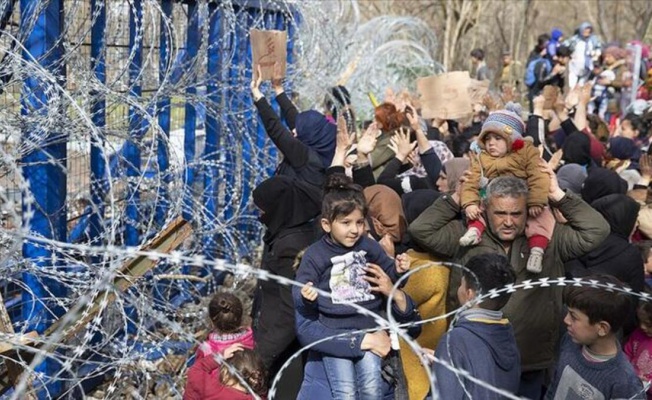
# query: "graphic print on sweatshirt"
347, 282
573, 387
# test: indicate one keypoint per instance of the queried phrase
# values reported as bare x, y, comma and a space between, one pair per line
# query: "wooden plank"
14, 369
166, 241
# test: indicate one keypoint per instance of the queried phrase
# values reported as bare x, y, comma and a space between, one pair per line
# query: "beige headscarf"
454, 169
385, 212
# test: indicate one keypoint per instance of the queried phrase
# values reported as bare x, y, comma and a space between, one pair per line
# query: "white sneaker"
535, 261
470, 238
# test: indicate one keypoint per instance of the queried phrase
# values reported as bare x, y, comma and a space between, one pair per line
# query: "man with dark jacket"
535, 313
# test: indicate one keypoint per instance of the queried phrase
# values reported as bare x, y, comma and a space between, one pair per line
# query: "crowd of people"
466, 208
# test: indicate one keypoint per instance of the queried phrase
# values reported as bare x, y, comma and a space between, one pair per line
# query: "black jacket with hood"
615, 256
289, 209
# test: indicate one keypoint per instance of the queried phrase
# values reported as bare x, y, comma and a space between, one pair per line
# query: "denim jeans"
358, 379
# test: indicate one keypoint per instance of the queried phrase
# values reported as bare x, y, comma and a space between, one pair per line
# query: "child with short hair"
226, 314
591, 363
638, 347
503, 152
213, 379
481, 341
339, 264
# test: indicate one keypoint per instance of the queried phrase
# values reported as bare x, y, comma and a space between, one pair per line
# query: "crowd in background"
561, 191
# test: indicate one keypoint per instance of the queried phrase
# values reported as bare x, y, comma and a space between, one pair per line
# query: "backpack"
530, 77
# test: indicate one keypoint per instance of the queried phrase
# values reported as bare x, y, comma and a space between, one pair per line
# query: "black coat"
274, 328
299, 160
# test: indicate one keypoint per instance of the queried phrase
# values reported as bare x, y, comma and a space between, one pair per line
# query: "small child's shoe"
470, 238
535, 261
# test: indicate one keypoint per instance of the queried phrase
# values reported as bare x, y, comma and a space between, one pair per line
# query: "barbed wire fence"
126, 116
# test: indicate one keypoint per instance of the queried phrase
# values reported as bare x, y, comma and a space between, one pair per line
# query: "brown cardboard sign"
445, 96
477, 90
269, 47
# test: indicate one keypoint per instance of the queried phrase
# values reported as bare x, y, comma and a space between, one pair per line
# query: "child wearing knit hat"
504, 152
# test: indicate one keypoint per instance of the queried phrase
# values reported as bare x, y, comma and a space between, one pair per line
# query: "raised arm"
538, 181
289, 111
535, 126
295, 152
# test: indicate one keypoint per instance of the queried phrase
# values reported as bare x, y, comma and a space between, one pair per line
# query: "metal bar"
164, 112
98, 181
213, 127
190, 123
43, 165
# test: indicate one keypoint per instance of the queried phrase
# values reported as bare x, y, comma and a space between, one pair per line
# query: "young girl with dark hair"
239, 375
226, 314
342, 264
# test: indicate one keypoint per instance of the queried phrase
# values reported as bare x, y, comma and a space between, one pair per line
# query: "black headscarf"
415, 202
577, 149
620, 211
286, 202
602, 182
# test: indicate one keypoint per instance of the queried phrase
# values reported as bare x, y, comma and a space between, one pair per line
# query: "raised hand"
555, 193
367, 142
343, 139
645, 165
256, 80
400, 144
277, 77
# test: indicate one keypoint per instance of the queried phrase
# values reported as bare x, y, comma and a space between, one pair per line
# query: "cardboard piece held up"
477, 90
445, 96
268, 47
550, 93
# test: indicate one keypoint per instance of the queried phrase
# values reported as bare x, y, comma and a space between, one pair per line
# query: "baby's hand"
535, 211
472, 212
308, 292
402, 263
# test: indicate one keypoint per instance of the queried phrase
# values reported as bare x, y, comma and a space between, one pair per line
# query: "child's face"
345, 230
627, 130
644, 321
495, 145
580, 329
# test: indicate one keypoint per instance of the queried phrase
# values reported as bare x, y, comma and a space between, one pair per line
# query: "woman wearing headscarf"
451, 172
622, 157
616, 256
309, 149
288, 208
427, 288
385, 216
602, 182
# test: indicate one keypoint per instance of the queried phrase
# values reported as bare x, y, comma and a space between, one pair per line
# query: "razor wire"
134, 334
